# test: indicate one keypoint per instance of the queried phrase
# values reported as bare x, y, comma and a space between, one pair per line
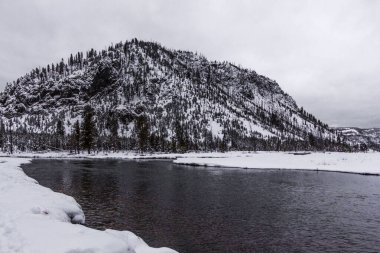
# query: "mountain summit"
144, 96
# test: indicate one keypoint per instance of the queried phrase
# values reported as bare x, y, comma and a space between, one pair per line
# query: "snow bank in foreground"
34, 219
361, 163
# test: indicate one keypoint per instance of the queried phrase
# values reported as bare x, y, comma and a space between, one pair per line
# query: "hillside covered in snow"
140, 95
362, 138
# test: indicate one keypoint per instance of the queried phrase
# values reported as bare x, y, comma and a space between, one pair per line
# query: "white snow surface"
34, 219
359, 163
118, 155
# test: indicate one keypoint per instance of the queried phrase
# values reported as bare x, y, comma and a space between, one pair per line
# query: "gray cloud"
324, 53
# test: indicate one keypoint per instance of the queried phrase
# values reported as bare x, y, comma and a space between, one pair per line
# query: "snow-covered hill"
179, 99
370, 137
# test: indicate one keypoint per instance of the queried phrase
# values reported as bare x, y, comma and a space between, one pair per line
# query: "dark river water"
196, 209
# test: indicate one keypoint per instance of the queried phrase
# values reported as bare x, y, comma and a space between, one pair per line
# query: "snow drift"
359, 163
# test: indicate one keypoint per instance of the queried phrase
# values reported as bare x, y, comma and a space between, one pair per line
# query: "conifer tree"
10, 136
75, 137
142, 128
114, 136
60, 134
2, 135
88, 130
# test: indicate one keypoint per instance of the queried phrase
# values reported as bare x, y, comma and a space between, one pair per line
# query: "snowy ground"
119, 155
360, 163
34, 219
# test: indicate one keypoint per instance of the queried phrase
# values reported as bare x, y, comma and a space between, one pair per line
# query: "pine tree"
10, 136
76, 137
88, 130
61, 67
114, 136
142, 128
71, 60
2, 135
60, 134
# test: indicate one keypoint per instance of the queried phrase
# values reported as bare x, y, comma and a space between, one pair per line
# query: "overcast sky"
326, 54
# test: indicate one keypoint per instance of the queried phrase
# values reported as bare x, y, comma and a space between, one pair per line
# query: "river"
198, 209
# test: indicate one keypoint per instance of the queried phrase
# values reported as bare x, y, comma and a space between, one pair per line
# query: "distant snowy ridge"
362, 137
34, 219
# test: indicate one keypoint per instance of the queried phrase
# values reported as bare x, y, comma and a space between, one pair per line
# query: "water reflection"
212, 210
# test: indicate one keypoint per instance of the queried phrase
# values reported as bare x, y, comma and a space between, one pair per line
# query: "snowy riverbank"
359, 163
34, 219
121, 155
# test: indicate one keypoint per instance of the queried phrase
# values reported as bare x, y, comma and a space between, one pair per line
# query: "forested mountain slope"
361, 138
140, 95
